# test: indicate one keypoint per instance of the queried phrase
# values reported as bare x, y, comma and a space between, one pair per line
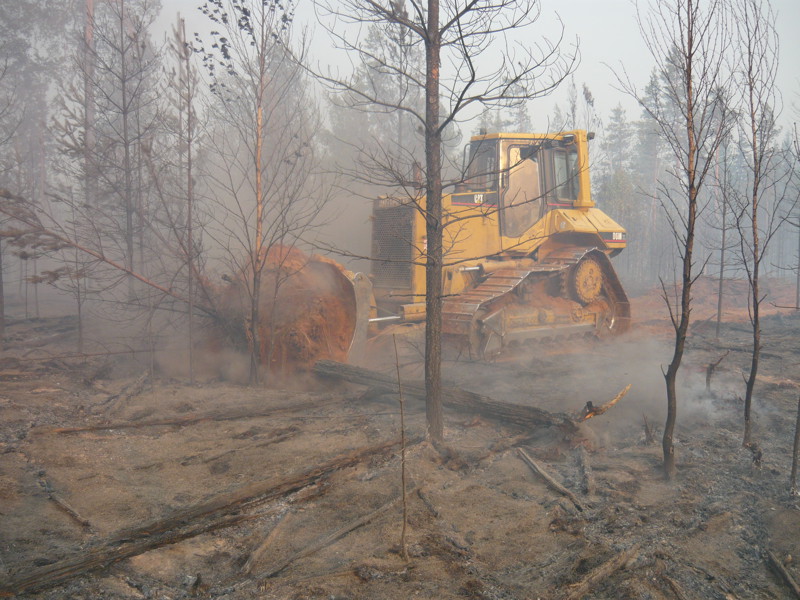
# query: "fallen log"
447, 533
129, 391
326, 540
777, 566
184, 421
258, 552
452, 398
427, 502
198, 458
608, 568
674, 586
590, 410
222, 511
548, 479
101, 557
63, 504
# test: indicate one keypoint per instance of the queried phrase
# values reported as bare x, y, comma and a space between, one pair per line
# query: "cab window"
565, 164
482, 166
522, 200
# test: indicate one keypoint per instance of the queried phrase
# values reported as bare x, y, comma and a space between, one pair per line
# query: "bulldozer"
526, 249
526, 258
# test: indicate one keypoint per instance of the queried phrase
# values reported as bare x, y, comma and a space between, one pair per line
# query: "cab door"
521, 200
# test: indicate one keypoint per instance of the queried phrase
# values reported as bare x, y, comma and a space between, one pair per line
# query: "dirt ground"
269, 493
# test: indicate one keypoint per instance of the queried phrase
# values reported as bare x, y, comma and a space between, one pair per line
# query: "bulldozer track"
461, 313
458, 312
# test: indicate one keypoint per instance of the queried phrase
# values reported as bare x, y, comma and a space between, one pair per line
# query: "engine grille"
392, 235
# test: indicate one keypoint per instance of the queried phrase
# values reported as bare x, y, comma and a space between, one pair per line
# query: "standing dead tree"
123, 65
32, 36
185, 89
757, 221
8, 125
688, 40
107, 119
261, 177
74, 132
796, 149
471, 62
107, 126
795, 453
723, 193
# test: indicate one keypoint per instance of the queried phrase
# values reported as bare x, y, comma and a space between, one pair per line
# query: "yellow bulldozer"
526, 258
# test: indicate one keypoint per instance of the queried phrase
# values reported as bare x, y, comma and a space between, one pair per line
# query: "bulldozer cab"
524, 176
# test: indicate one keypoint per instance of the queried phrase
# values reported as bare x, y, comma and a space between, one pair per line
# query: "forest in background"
139, 153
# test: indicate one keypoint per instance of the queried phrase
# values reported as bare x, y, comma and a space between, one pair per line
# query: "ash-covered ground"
115, 485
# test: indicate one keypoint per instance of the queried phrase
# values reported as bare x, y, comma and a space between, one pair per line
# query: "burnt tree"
470, 62
688, 41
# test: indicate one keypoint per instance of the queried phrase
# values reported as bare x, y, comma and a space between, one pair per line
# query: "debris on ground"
120, 484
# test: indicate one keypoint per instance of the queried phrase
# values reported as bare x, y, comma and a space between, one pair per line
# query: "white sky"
608, 36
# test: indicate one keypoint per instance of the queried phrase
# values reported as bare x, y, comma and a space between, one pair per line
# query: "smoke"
224, 364
563, 377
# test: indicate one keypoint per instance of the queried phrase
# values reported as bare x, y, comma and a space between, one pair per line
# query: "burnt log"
777, 566
527, 417
177, 422
222, 511
327, 540
576, 591
548, 479
63, 504
258, 552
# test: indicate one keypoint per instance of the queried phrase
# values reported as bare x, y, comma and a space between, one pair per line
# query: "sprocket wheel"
586, 281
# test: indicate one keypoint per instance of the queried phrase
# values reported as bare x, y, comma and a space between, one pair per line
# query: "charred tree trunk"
721, 261
751, 379
257, 259
759, 43
89, 105
127, 190
756, 258
797, 275
527, 417
79, 298
681, 331
252, 327
667, 444
2, 299
682, 324
89, 183
433, 230
189, 90
795, 451
185, 86
695, 139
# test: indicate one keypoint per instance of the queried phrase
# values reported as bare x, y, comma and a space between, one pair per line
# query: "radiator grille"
392, 235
